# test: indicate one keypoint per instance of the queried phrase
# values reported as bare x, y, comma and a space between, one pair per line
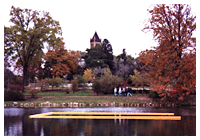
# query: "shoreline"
76, 104
137, 100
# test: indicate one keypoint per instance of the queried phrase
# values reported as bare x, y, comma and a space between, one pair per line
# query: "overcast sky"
119, 21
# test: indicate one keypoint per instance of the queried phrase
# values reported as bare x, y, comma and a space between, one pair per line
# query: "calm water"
17, 123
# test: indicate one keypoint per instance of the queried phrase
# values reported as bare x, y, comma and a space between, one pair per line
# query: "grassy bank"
91, 98
60, 94
82, 97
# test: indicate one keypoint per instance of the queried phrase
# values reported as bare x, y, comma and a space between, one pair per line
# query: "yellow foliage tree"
107, 71
140, 79
88, 75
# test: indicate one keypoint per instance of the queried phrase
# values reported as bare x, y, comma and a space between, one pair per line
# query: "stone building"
95, 40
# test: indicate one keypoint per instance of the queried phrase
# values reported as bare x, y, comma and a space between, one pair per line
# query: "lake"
18, 123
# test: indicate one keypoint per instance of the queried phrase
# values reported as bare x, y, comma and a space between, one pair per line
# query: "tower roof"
95, 38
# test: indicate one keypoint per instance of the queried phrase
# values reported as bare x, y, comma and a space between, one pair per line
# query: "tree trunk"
25, 72
8, 83
143, 89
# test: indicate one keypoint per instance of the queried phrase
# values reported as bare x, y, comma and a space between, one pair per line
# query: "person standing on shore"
128, 91
115, 91
120, 91
123, 91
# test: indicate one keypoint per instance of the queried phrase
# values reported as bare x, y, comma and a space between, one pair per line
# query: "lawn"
92, 99
60, 94
89, 98
82, 97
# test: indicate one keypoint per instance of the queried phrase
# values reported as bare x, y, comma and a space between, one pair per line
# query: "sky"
119, 21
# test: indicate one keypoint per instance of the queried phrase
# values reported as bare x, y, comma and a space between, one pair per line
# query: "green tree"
80, 80
54, 82
125, 64
27, 35
122, 56
95, 57
107, 47
99, 56
96, 86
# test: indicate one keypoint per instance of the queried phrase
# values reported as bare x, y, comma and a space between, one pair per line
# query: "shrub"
105, 83
82, 82
13, 96
96, 86
67, 91
16, 87
113, 81
42, 84
54, 82
32, 91
108, 82
153, 94
74, 85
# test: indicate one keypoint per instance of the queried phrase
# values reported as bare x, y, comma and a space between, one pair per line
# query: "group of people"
122, 91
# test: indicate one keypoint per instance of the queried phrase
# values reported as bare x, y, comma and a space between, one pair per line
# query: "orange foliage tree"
63, 61
172, 64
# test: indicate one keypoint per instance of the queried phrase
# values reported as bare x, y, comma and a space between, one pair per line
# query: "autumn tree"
88, 76
62, 61
26, 37
172, 64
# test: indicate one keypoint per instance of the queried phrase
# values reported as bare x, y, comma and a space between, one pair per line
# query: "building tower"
95, 40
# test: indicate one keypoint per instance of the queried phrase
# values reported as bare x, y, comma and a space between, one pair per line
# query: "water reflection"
17, 123
14, 127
